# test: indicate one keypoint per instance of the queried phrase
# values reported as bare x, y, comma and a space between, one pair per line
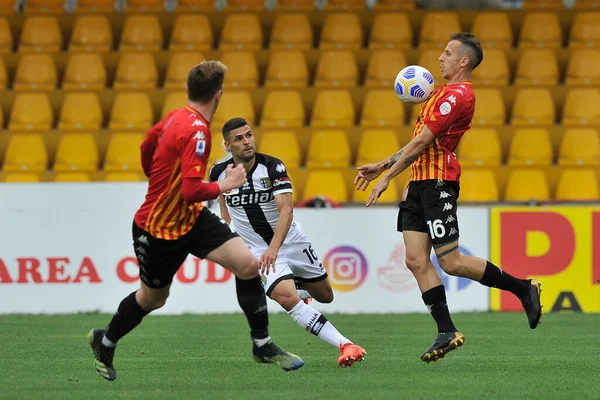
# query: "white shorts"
297, 260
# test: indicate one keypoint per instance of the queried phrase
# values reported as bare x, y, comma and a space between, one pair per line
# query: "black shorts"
430, 207
159, 259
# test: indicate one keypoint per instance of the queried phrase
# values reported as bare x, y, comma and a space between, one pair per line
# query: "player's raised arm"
194, 189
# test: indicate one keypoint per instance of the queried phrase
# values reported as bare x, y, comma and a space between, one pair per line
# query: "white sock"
316, 323
261, 342
107, 342
303, 294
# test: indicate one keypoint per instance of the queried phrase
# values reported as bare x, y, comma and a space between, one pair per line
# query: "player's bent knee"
325, 297
285, 299
451, 265
151, 301
248, 268
416, 264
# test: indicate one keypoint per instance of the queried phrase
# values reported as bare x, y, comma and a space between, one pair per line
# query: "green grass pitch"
208, 357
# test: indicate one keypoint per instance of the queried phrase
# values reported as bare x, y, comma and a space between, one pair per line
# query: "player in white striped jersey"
261, 212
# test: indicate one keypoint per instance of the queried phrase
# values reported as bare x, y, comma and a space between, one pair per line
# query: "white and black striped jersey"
252, 208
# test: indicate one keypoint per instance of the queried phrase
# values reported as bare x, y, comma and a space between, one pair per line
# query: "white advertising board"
66, 248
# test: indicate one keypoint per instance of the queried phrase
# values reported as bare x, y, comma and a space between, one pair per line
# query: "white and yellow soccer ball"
414, 84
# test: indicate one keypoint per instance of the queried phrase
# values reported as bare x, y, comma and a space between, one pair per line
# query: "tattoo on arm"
409, 160
392, 160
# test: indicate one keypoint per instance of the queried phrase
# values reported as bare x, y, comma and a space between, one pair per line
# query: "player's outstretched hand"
267, 261
367, 173
237, 175
379, 188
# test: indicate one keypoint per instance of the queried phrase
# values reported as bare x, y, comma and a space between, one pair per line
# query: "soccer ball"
413, 84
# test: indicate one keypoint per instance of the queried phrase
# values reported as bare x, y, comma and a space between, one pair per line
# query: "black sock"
435, 300
495, 277
128, 316
252, 299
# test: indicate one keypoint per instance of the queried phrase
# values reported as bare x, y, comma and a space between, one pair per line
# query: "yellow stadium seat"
391, 31
124, 177
578, 184
9, 7
579, 147
85, 71
218, 153
533, 106
3, 76
430, 59
136, 71
480, 147
478, 185
35, 71
376, 145
493, 70
194, 6
65, 177
191, 33
295, 5
283, 145
80, 111
328, 149
336, 69
541, 29
283, 109
530, 147
526, 185
44, 7
490, 109
333, 108
329, 183
1, 121
582, 107
144, 6
235, 103
142, 33
537, 67
179, 67
383, 67
123, 152
76, 152
26, 152
341, 30
91, 33
173, 101
40, 34
493, 30
26, 177
95, 6
586, 5
382, 108
393, 5
6, 37
131, 111
241, 31
287, 69
389, 196
31, 112
436, 29
585, 30
291, 31
242, 70
582, 68
245, 5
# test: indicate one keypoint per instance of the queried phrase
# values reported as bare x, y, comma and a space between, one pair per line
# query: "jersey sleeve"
280, 181
193, 148
447, 109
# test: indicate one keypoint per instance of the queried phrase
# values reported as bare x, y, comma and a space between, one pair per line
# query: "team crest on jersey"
265, 182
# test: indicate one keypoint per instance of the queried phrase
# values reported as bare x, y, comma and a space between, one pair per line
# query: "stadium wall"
66, 248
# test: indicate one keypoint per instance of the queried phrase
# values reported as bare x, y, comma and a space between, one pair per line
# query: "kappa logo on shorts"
444, 195
447, 207
143, 240
450, 219
452, 232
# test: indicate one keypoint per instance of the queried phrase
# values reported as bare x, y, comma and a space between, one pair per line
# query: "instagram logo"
346, 267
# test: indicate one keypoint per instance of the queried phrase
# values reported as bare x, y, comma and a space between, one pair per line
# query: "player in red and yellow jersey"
173, 223
427, 217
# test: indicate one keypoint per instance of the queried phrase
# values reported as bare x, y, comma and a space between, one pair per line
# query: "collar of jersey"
198, 114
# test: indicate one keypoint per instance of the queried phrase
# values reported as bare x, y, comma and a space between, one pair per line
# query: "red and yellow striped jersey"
448, 113
183, 141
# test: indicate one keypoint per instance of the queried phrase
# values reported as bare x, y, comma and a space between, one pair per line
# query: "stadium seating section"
80, 89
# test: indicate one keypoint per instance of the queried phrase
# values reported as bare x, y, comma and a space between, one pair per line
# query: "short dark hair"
205, 80
232, 124
472, 45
